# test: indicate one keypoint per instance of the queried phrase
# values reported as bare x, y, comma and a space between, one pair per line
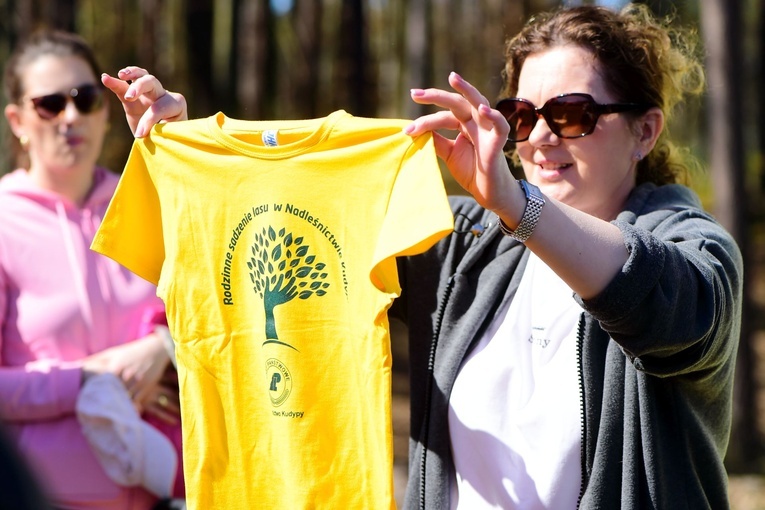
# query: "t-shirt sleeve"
131, 231
418, 213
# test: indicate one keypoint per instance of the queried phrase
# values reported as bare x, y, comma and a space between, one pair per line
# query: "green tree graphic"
281, 269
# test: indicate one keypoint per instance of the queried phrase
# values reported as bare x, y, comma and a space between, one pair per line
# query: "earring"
24, 141
638, 156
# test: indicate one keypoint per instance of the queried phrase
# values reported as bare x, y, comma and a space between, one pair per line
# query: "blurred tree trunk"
721, 25
307, 21
199, 46
759, 80
60, 14
147, 43
398, 17
23, 18
223, 39
6, 28
354, 91
256, 62
456, 51
419, 50
514, 15
24, 10
172, 59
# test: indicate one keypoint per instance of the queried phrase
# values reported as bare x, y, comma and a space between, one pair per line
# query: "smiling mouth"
553, 166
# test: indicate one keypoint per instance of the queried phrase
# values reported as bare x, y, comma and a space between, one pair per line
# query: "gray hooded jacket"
656, 352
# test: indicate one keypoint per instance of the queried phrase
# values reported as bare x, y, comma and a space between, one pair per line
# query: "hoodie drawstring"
79, 277
90, 222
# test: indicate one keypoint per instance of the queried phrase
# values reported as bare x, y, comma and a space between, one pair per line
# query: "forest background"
291, 59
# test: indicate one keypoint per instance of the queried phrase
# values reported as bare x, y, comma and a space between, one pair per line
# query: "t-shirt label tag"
269, 138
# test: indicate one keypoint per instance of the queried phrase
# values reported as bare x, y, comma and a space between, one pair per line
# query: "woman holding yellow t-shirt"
583, 346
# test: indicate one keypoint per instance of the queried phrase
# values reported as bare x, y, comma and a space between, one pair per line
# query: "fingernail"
408, 129
417, 92
130, 94
125, 71
139, 132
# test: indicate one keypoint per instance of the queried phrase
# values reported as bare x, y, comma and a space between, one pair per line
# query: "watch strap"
534, 203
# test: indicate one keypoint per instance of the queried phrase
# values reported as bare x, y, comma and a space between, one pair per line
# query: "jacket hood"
18, 183
77, 224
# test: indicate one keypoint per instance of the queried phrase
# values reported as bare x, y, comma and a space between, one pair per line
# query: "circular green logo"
279, 381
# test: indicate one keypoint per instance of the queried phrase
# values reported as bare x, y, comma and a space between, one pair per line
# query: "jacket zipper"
429, 387
580, 371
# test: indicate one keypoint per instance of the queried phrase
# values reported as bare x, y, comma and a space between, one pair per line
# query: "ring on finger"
162, 400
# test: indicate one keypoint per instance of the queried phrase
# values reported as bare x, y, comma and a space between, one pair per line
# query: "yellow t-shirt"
273, 245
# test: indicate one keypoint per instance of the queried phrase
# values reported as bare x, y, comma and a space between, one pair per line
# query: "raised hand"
145, 100
475, 157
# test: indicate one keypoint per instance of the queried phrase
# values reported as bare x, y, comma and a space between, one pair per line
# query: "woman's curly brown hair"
641, 58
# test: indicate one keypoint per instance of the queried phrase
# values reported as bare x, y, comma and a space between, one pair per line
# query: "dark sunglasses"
568, 115
86, 98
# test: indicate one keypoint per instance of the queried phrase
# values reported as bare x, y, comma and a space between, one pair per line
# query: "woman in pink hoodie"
68, 314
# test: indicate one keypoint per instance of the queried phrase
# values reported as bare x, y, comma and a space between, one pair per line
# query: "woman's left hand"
163, 399
476, 156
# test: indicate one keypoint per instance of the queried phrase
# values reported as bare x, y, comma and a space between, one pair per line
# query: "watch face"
531, 190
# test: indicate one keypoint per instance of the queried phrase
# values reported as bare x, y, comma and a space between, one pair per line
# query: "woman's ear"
14, 121
650, 126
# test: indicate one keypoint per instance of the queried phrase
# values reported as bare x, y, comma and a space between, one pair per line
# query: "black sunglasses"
87, 99
568, 115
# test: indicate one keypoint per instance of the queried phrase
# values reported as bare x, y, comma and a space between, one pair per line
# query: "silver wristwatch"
534, 202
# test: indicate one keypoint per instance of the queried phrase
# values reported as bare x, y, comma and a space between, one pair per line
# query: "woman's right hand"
475, 157
145, 100
140, 364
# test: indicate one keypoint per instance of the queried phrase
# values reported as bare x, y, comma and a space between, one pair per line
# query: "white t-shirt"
515, 409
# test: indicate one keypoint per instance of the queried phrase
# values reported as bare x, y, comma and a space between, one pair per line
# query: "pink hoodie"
60, 302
